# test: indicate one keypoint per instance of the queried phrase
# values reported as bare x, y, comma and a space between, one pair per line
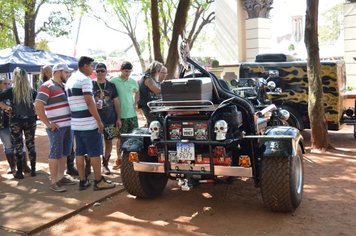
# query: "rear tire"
141, 184
282, 182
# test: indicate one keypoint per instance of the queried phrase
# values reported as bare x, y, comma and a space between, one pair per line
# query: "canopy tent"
31, 59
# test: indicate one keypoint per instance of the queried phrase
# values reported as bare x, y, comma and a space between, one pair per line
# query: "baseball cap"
61, 66
100, 66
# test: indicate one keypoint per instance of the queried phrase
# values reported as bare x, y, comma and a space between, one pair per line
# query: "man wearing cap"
108, 105
87, 124
127, 89
53, 110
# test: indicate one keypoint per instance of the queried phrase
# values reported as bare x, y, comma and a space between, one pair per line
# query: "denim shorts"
88, 142
60, 142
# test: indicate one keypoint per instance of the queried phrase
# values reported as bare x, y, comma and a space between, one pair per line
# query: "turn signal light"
152, 150
244, 161
133, 156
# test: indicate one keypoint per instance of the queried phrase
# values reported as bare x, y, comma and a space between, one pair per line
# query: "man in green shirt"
128, 92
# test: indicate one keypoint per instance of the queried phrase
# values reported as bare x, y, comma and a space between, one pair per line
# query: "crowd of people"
82, 117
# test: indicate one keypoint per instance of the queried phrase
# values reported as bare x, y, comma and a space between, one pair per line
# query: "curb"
66, 216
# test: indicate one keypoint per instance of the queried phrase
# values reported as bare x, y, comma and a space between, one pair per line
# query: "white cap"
61, 66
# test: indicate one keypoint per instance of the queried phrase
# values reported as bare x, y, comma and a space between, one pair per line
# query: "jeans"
6, 140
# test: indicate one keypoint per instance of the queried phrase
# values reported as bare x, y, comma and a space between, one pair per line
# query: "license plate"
185, 151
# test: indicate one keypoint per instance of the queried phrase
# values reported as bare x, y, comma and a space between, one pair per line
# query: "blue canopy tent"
31, 59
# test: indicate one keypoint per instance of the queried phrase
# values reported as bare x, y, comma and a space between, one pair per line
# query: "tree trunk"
30, 19
180, 21
156, 36
318, 123
138, 51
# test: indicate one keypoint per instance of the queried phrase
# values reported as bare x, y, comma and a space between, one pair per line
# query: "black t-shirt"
106, 92
20, 111
146, 95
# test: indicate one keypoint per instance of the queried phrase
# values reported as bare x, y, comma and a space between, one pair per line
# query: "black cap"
100, 66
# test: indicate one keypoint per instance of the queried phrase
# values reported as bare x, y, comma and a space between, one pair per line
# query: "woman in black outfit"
22, 118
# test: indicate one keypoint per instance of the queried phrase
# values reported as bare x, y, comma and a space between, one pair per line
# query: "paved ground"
28, 206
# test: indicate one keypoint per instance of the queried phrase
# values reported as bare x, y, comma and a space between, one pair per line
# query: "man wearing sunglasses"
108, 105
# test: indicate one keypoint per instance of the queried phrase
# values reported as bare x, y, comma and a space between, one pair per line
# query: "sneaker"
84, 184
106, 170
57, 188
117, 164
103, 184
67, 181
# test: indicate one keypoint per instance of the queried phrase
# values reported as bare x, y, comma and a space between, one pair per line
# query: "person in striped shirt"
53, 110
86, 124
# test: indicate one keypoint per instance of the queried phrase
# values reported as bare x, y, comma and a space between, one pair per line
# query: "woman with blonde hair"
22, 118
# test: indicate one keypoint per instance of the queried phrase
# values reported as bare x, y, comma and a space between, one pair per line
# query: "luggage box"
185, 89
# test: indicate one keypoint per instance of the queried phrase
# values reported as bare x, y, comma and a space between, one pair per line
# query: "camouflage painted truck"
204, 132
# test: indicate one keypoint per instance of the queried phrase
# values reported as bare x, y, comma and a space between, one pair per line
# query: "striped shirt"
77, 86
55, 103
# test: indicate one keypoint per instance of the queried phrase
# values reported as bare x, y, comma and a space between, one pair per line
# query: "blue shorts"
88, 142
60, 142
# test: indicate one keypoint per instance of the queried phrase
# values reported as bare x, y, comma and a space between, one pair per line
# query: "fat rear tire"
282, 182
141, 184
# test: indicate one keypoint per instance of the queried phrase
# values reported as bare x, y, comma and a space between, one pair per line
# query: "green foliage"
330, 24
215, 63
350, 88
42, 45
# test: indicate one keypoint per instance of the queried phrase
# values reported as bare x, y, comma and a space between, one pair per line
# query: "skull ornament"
220, 129
155, 128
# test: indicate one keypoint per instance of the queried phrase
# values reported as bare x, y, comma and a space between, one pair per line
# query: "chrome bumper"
218, 170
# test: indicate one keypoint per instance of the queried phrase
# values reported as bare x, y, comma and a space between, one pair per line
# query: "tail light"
152, 150
219, 151
133, 156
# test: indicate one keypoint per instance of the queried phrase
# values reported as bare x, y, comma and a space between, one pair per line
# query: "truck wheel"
295, 119
282, 182
141, 184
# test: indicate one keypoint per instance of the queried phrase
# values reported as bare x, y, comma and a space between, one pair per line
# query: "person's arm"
40, 111
152, 86
89, 100
118, 112
5, 107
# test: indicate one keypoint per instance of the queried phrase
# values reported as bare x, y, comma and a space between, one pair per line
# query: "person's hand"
100, 126
135, 106
8, 110
52, 126
118, 123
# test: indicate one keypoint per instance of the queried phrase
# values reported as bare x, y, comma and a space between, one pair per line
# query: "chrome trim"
135, 135
218, 170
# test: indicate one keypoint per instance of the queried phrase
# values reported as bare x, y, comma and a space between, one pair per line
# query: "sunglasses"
100, 71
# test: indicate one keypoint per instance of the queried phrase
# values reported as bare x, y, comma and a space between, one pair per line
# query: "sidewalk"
28, 205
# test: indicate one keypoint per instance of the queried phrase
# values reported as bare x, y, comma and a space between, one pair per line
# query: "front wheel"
282, 182
141, 184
